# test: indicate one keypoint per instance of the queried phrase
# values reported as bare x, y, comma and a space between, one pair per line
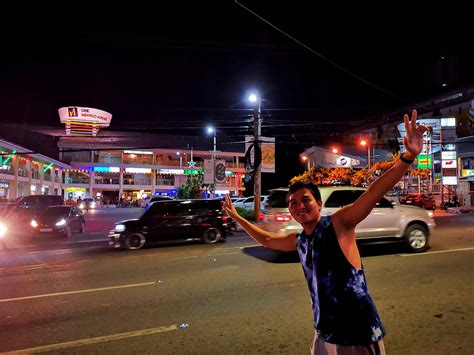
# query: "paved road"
233, 297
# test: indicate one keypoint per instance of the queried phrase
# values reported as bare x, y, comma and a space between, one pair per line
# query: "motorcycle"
448, 204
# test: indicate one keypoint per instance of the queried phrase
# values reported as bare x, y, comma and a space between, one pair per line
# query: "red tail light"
225, 218
282, 218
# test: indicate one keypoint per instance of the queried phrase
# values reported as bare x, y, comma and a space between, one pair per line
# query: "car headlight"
62, 222
3, 230
33, 223
430, 214
81, 205
120, 227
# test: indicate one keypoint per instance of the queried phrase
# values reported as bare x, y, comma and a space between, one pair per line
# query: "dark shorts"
321, 347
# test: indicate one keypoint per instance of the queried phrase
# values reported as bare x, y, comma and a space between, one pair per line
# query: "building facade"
23, 172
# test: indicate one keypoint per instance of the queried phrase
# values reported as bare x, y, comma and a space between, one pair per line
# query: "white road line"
50, 251
76, 292
83, 342
438, 252
206, 256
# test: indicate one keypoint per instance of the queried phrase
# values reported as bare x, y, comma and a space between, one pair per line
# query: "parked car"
172, 220
387, 220
421, 200
57, 221
248, 203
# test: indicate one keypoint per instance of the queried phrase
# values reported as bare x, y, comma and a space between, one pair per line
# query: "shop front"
4, 186
75, 193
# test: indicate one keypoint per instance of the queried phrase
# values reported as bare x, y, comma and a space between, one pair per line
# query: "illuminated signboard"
138, 170
450, 180
467, 172
172, 171
106, 169
448, 122
448, 163
137, 152
83, 121
450, 155
423, 161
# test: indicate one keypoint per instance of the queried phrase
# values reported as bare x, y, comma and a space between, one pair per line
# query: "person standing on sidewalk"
346, 320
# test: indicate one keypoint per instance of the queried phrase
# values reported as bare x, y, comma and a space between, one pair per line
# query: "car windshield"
55, 212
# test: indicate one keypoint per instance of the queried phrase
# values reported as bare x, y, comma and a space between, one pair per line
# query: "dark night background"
176, 68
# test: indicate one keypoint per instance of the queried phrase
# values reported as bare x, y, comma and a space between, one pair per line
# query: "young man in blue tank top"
345, 317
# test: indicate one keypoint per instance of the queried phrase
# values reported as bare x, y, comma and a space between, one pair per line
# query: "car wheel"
135, 241
211, 235
82, 229
416, 237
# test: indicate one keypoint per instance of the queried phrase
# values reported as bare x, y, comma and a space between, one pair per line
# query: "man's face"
303, 207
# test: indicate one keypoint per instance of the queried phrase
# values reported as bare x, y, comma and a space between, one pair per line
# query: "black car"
172, 220
17, 215
58, 221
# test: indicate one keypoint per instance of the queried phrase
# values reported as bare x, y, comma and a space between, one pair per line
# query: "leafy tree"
193, 186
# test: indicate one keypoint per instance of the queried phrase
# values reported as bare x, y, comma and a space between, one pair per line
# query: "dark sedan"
58, 220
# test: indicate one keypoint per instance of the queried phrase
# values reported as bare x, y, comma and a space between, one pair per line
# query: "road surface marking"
438, 252
76, 292
50, 251
83, 342
205, 256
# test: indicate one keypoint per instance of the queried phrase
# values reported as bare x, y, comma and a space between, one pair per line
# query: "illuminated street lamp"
365, 143
212, 130
305, 159
256, 101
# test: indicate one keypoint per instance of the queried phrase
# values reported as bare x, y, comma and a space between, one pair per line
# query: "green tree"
193, 186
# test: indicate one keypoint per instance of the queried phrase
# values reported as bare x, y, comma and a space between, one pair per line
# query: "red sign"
449, 172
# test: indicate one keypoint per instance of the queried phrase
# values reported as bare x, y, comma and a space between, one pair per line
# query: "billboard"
83, 121
268, 152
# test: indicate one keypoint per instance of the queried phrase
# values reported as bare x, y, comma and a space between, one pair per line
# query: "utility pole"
257, 188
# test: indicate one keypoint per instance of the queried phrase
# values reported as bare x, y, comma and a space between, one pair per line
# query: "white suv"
387, 220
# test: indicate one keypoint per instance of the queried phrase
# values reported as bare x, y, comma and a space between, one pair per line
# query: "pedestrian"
345, 317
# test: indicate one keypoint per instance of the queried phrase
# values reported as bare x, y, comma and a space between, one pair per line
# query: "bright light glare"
335, 150
210, 129
62, 222
34, 224
3, 230
304, 158
253, 98
363, 142
120, 227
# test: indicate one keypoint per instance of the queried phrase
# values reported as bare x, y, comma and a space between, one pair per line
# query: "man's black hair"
313, 188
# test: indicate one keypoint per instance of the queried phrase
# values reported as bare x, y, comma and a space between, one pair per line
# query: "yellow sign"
75, 189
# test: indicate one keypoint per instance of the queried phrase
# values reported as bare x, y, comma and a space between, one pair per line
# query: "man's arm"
267, 239
352, 215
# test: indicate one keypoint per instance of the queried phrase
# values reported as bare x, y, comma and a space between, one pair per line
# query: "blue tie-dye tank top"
344, 312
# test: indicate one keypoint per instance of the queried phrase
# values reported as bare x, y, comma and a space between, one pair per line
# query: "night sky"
179, 67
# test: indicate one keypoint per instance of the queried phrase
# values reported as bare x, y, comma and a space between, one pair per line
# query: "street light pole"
257, 188
214, 131
368, 155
